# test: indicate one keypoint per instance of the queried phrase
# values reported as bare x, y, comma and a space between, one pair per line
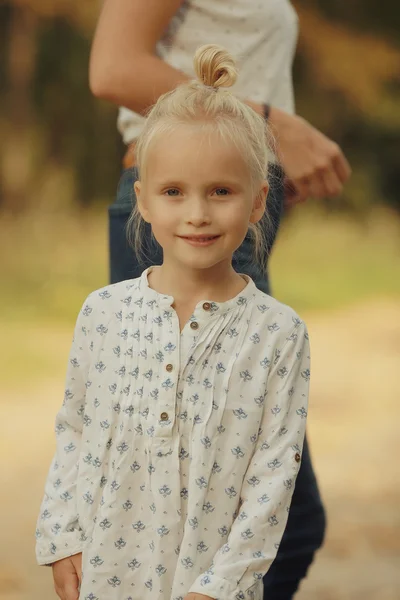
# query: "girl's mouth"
197, 240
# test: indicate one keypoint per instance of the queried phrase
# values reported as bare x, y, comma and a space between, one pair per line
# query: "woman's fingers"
342, 167
315, 164
329, 183
327, 178
317, 185
296, 192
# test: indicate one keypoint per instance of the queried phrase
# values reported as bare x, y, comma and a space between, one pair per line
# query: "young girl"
181, 432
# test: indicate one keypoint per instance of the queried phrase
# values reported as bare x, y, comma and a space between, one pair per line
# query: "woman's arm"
125, 70
58, 534
123, 66
269, 481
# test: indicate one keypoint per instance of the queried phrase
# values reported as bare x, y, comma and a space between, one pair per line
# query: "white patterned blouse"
177, 452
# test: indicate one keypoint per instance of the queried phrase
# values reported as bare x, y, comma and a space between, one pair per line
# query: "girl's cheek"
236, 218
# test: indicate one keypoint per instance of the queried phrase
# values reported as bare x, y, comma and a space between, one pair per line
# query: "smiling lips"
199, 240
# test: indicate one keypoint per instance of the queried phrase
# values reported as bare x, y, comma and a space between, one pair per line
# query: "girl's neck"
190, 286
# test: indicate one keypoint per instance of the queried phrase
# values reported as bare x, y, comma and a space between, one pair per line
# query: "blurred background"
337, 263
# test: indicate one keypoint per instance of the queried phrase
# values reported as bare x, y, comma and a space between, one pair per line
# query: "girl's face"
198, 196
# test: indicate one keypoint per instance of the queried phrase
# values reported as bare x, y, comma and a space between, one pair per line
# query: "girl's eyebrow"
217, 183
226, 183
170, 183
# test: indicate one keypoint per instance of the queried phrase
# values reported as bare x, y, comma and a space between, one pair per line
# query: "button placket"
166, 409
202, 315
199, 317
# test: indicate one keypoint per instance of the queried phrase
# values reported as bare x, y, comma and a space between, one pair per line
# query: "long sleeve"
269, 481
58, 534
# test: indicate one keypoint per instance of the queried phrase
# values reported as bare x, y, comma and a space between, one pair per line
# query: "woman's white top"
177, 452
260, 34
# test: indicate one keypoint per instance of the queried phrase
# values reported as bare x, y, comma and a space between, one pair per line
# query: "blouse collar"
244, 296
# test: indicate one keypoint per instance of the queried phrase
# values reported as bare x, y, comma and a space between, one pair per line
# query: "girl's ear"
140, 201
259, 203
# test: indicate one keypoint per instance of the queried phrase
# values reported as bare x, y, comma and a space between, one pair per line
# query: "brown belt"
129, 159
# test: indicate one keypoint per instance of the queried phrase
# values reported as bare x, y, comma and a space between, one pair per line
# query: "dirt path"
353, 428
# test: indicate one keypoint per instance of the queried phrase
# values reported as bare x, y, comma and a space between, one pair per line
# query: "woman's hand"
67, 575
314, 165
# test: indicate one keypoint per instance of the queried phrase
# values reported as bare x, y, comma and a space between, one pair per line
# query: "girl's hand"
67, 575
194, 596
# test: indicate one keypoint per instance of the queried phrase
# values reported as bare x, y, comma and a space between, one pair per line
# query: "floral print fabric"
177, 451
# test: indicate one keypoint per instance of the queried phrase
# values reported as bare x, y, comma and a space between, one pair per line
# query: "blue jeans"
305, 529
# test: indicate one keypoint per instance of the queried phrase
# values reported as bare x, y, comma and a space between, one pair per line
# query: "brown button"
194, 325
164, 416
207, 306
297, 457
169, 368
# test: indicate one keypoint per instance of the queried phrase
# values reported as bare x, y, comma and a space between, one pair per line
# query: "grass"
49, 265
323, 262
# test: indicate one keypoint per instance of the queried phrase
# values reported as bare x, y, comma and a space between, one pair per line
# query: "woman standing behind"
143, 49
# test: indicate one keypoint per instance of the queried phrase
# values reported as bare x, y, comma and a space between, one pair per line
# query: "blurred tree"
19, 65
60, 145
368, 16
359, 65
80, 130
82, 15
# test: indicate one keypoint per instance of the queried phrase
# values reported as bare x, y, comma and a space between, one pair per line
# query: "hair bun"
214, 66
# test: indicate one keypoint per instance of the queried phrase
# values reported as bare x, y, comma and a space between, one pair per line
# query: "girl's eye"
172, 192
221, 192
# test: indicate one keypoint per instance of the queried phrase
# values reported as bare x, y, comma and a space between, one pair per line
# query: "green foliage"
324, 261
80, 131
382, 18
49, 275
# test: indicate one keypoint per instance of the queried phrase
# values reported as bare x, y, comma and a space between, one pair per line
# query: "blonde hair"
207, 101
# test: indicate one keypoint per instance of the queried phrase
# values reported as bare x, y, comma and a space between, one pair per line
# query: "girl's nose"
198, 213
